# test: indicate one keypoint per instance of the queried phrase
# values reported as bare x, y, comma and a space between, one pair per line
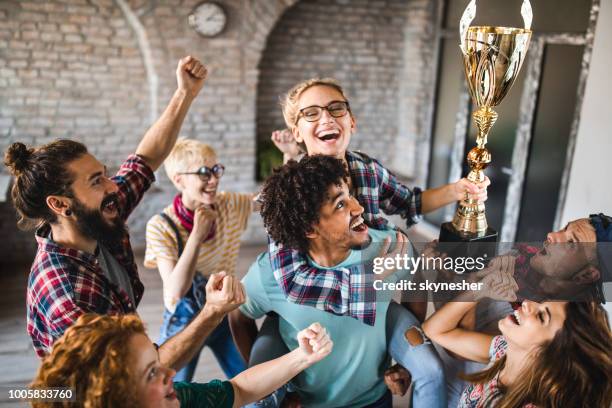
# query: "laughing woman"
109, 361
195, 236
551, 354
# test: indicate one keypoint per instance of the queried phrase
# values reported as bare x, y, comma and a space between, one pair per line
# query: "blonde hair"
290, 104
92, 358
186, 153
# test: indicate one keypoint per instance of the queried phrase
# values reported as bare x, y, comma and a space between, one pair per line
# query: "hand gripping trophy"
492, 58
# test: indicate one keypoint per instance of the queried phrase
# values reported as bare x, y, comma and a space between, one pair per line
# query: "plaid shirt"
348, 291
65, 283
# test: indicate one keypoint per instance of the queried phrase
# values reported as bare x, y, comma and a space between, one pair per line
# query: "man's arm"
223, 294
244, 332
160, 138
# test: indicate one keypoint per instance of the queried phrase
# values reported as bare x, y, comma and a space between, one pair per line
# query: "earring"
68, 213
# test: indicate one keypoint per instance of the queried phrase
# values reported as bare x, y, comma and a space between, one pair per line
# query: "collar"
46, 244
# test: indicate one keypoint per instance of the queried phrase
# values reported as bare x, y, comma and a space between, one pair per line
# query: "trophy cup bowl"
492, 58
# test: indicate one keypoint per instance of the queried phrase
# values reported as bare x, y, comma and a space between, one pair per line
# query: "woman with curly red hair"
110, 362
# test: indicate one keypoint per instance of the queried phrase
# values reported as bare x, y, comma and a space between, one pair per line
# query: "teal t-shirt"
352, 375
215, 394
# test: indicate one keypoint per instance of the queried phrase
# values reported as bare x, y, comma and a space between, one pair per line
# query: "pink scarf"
185, 216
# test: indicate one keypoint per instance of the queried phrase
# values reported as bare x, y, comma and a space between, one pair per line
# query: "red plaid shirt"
65, 283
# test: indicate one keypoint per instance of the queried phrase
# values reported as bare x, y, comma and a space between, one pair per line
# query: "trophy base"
459, 244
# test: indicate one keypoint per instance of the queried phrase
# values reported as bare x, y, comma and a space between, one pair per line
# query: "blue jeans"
220, 340
428, 380
422, 360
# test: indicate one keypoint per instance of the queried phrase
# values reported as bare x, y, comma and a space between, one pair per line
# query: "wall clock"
208, 19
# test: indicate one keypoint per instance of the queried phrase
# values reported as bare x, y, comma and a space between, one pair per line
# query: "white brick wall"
75, 69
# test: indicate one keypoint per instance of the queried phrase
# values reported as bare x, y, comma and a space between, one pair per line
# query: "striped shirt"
219, 253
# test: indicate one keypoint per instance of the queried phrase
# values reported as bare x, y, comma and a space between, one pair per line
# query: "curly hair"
574, 369
92, 359
294, 194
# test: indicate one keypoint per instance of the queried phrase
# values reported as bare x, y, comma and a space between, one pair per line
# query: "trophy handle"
470, 13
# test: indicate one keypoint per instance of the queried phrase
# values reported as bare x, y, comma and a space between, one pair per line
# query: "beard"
92, 224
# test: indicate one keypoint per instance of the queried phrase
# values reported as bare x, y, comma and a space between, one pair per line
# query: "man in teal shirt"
307, 206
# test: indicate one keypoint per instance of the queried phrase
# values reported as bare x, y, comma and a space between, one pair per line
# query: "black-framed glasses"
206, 172
336, 109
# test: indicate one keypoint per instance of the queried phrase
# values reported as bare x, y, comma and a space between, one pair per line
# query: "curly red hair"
92, 359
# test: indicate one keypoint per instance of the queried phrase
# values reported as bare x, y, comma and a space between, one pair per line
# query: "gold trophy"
492, 58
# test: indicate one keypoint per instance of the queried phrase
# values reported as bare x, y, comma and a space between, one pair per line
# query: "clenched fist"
203, 220
224, 293
315, 343
190, 75
285, 142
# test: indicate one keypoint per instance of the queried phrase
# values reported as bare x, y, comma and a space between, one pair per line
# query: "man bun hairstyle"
293, 195
17, 157
40, 172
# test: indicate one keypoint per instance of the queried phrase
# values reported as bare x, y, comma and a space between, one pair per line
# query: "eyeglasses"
336, 109
206, 172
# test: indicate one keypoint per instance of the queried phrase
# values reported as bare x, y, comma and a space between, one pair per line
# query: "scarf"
185, 216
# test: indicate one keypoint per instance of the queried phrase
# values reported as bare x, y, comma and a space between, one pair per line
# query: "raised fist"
190, 75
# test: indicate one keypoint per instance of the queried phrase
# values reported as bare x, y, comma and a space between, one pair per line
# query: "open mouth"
516, 318
358, 225
110, 205
171, 395
329, 136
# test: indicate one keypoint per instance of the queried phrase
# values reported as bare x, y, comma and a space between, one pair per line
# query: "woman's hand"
315, 343
285, 142
203, 219
464, 187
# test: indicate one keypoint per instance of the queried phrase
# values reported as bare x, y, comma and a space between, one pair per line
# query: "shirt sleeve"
498, 348
215, 394
343, 291
51, 296
243, 205
133, 179
257, 303
161, 242
396, 198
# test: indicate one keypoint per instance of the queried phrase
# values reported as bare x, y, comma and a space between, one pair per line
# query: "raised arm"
443, 326
285, 142
439, 197
258, 381
224, 293
160, 138
396, 198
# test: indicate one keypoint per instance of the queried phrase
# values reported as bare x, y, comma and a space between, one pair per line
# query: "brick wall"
77, 69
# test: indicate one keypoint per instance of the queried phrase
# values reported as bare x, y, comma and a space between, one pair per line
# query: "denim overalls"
220, 340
